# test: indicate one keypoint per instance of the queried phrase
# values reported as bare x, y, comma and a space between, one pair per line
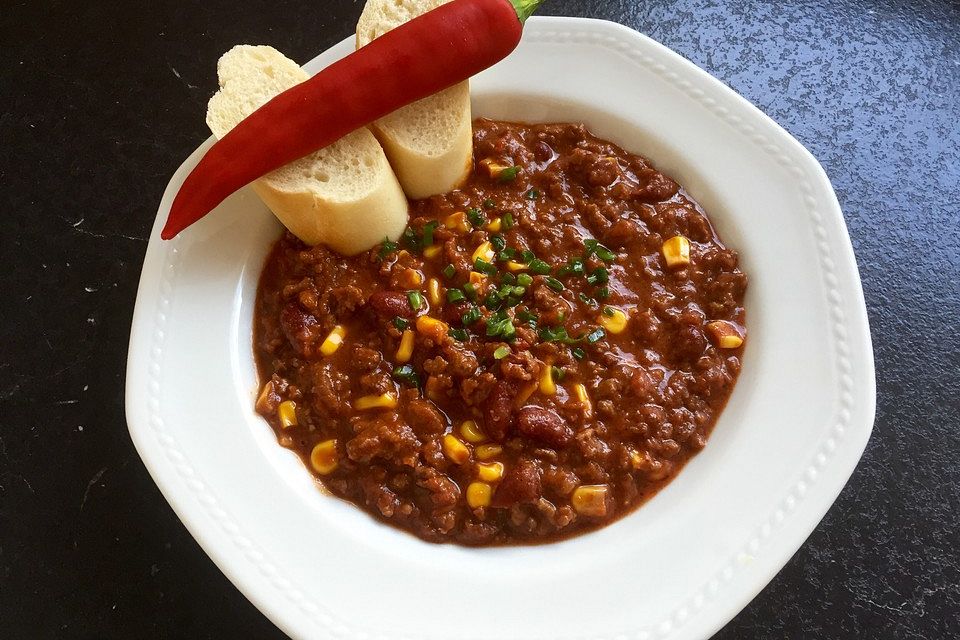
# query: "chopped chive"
407, 375
416, 299
603, 293
458, 334
401, 323
501, 352
449, 271
507, 221
498, 242
386, 248
598, 276
504, 290
533, 194
578, 353
528, 256
489, 204
539, 267
471, 291
455, 295
554, 284
528, 317
596, 335
485, 267
558, 373
411, 239
507, 254
500, 324
428, 230
492, 301
574, 266
554, 334
508, 278
509, 174
524, 280
471, 316
608, 311
475, 217
594, 247
519, 291
585, 299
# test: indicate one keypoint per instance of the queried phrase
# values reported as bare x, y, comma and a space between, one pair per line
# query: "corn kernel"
616, 322
515, 266
490, 471
493, 169
547, 386
432, 328
456, 221
726, 335
287, 412
526, 392
479, 494
477, 278
676, 251
333, 340
495, 225
484, 252
411, 278
455, 450
264, 399
471, 432
433, 292
383, 401
432, 251
581, 392
323, 457
488, 451
590, 499
405, 350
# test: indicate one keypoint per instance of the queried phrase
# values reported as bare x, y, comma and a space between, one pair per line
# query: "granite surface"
100, 102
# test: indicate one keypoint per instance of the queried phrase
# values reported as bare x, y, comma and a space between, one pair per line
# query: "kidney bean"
390, 304
498, 410
520, 485
545, 426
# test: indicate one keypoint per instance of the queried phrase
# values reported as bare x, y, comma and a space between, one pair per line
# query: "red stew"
541, 352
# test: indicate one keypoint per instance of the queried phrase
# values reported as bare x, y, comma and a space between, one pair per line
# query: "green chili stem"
525, 8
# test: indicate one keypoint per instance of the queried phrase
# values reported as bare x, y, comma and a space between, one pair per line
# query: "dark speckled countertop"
100, 102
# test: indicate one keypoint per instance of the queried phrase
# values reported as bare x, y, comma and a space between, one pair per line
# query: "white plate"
679, 567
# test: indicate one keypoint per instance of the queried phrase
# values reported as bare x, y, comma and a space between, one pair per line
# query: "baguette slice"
429, 142
345, 195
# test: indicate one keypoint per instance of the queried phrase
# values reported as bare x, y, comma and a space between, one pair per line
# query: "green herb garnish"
533, 194
401, 323
471, 316
416, 299
449, 271
554, 284
407, 375
539, 267
386, 248
484, 267
509, 174
501, 352
598, 276
507, 221
455, 295
594, 247
475, 217
458, 334
596, 335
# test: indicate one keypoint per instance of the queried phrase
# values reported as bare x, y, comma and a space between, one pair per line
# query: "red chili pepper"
417, 59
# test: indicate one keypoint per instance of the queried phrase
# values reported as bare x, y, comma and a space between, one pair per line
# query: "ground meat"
520, 485
507, 372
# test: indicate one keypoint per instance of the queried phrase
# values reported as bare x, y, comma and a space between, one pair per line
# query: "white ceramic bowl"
679, 567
